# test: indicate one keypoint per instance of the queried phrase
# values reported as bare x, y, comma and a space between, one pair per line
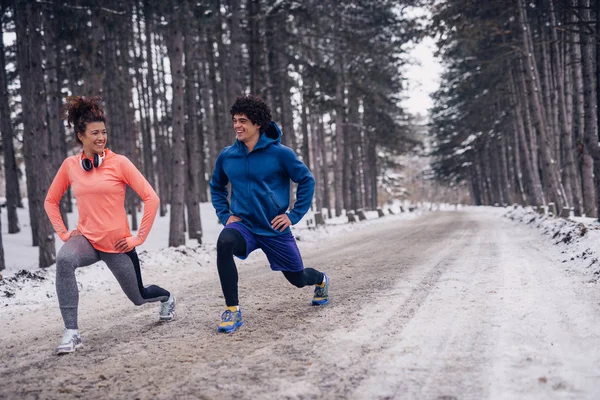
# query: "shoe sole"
62, 352
230, 330
320, 302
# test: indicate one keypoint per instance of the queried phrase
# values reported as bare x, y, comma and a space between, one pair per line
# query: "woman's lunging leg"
76, 252
126, 268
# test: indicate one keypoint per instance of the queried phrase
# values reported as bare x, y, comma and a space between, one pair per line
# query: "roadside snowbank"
578, 237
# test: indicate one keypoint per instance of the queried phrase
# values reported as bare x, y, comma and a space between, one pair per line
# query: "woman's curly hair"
80, 110
254, 108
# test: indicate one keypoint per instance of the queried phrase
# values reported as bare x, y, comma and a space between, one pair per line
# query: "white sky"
423, 77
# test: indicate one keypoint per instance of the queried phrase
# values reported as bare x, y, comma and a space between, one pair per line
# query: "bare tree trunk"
506, 187
518, 152
339, 137
353, 130
93, 57
11, 175
569, 172
315, 158
583, 157
529, 152
570, 111
162, 134
325, 168
203, 166
547, 94
304, 124
235, 59
255, 49
2, 263
209, 112
175, 50
53, 91
36, 144
147, 148
221, 140
590, 137
194, 155
549, 169
153, 100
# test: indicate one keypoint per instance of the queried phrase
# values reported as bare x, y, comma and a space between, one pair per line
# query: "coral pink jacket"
100, 195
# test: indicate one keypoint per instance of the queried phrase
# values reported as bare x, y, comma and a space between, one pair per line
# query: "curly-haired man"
259, 169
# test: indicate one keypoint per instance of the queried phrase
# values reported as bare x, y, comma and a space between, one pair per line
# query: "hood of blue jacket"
269, 136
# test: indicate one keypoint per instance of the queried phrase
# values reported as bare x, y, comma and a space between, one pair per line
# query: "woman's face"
94, 137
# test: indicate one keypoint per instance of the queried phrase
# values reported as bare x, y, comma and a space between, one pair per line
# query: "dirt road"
451, 305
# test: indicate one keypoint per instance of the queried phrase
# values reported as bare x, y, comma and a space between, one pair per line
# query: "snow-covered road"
450, 305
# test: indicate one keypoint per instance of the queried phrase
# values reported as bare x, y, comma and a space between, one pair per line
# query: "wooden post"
319, 220
361, 214
565, 212
380, 213
351, 216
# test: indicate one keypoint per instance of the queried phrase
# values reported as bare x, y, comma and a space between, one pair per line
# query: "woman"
99, 178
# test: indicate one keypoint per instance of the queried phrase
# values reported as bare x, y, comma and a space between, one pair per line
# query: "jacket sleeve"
300, 174
134, 178
218, 191
57, 189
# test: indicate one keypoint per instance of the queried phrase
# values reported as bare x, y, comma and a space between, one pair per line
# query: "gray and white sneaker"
71, 341
167, 309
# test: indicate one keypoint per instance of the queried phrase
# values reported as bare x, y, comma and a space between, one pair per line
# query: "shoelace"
165, 308
67, 338
226, 316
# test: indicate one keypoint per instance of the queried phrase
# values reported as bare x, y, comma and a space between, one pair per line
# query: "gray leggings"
78, 252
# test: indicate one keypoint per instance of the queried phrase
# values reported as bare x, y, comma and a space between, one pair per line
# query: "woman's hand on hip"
121, 246
75, 232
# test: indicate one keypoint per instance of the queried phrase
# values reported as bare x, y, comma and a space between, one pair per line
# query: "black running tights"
230, 243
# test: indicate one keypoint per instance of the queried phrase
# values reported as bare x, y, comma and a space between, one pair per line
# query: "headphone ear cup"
86, 164
97, 161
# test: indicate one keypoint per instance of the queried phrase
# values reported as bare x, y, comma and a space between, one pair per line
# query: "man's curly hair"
254, 108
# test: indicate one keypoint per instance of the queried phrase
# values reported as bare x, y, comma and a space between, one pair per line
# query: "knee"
66, 260
226, 240
138, 301
296, 279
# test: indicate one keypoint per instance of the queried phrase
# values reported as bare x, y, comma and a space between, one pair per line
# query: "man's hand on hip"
233, 218
281, 222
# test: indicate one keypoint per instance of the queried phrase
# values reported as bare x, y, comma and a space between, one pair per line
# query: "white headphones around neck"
87, 164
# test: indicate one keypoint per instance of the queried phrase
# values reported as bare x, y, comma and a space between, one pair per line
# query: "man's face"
245, 130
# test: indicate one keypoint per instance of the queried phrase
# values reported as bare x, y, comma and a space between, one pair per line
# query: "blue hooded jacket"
260, 183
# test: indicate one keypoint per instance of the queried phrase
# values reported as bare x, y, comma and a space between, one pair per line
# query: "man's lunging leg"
310, 276
230, 243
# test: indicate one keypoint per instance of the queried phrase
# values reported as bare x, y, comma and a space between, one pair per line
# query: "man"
259, 169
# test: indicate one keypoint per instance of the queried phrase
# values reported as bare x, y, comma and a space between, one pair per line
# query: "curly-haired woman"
99, 177
259, 169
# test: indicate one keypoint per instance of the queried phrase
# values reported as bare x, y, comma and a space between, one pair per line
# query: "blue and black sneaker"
321, 296
230, 320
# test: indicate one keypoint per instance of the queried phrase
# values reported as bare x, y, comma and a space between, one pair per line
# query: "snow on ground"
25, 284
463, 304
578, 237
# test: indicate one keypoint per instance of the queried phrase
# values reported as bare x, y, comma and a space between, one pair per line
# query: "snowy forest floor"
473, 303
